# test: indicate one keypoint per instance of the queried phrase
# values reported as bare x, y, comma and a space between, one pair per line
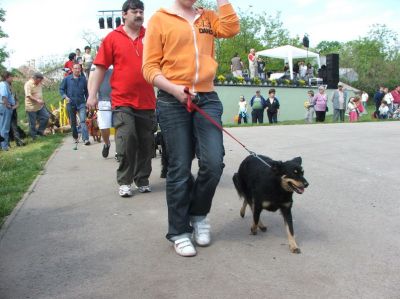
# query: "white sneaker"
125, 191
201, 232
184, 247
144, 189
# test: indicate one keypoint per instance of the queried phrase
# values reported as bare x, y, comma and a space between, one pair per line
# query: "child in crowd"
355, 108
309, 105
383, 110
272, 107
242, 110
396, 114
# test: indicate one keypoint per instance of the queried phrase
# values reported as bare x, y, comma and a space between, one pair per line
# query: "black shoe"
106, 150
20, 143
86, 142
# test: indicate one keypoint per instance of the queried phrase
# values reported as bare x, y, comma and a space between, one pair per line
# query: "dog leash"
190, 107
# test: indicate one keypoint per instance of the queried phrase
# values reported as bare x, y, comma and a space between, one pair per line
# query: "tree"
3, 52
327, 47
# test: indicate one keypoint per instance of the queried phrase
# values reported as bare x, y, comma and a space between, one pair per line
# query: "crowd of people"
387, 103
257, 68
120, 82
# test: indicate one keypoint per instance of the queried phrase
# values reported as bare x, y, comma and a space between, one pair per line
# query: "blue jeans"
43, 117
186, 134
72, 110
5, 124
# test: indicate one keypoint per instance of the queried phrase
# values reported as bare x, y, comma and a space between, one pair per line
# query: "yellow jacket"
184, 52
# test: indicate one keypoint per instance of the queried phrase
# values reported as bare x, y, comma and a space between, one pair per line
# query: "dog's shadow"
233, 227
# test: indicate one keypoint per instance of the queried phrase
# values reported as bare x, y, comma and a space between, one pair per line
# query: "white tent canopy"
288, 53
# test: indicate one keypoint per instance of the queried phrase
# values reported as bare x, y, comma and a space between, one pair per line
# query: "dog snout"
305, 183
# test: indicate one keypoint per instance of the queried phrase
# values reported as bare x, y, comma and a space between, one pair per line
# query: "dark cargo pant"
134, 141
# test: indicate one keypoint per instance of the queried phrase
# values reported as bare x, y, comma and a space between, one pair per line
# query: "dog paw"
263, 228
295, 250
253, 230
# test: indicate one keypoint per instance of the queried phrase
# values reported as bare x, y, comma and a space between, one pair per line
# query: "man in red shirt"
132, 98
396, 98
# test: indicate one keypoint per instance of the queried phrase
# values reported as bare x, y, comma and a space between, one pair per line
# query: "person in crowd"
78, 57
320, 104
272, 106
87, 61
364, 100
309, 72
355, 108
132, 98
7, 105
237, 66
68, 65
14, 129
258, 104
261, 68
286, 68
378, 97
302, 70
74, 90
296, 68
339, 100
383, 110
388, 98
168, 65
242, 110
252, 63
104, 114
396, 98
309, 105
35, 105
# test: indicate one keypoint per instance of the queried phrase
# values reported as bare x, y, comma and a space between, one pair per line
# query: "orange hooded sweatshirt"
184, 52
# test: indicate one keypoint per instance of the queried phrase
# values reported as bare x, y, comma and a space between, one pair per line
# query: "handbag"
326, 109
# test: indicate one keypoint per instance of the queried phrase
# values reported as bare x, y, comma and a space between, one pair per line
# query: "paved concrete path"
74, 237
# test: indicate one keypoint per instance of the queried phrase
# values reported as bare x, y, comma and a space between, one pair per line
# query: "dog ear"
297, 160
276, 167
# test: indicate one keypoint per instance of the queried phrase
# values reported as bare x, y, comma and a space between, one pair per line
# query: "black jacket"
272, 108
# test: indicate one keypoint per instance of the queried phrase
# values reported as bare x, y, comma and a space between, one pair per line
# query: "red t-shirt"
396, 96
68, 65
128, 87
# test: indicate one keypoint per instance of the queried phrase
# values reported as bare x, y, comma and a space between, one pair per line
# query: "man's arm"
95, 79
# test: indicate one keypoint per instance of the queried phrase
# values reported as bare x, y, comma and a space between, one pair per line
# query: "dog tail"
238, 184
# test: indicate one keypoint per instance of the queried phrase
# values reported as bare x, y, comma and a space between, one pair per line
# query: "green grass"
20, 166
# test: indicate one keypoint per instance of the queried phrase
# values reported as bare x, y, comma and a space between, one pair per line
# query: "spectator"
74, 90
320, 104
396, 97
78, 57
69, 64
355, 108
258, 105
35, 106
237, 66
286, 68
252, 63
87, 61
242, 110
167, 62
309, 105
261, 68
272, 107
132, 98
309, 72
339, 100
388, 98
7, 105
383, 110
302, 70
364, 100
378, 97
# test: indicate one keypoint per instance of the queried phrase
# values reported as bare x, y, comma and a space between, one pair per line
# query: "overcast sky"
47, 28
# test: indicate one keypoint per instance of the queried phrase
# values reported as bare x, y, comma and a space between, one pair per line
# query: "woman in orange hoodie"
179, 53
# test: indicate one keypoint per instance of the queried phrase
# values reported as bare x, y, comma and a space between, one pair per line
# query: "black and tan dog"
270, 188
